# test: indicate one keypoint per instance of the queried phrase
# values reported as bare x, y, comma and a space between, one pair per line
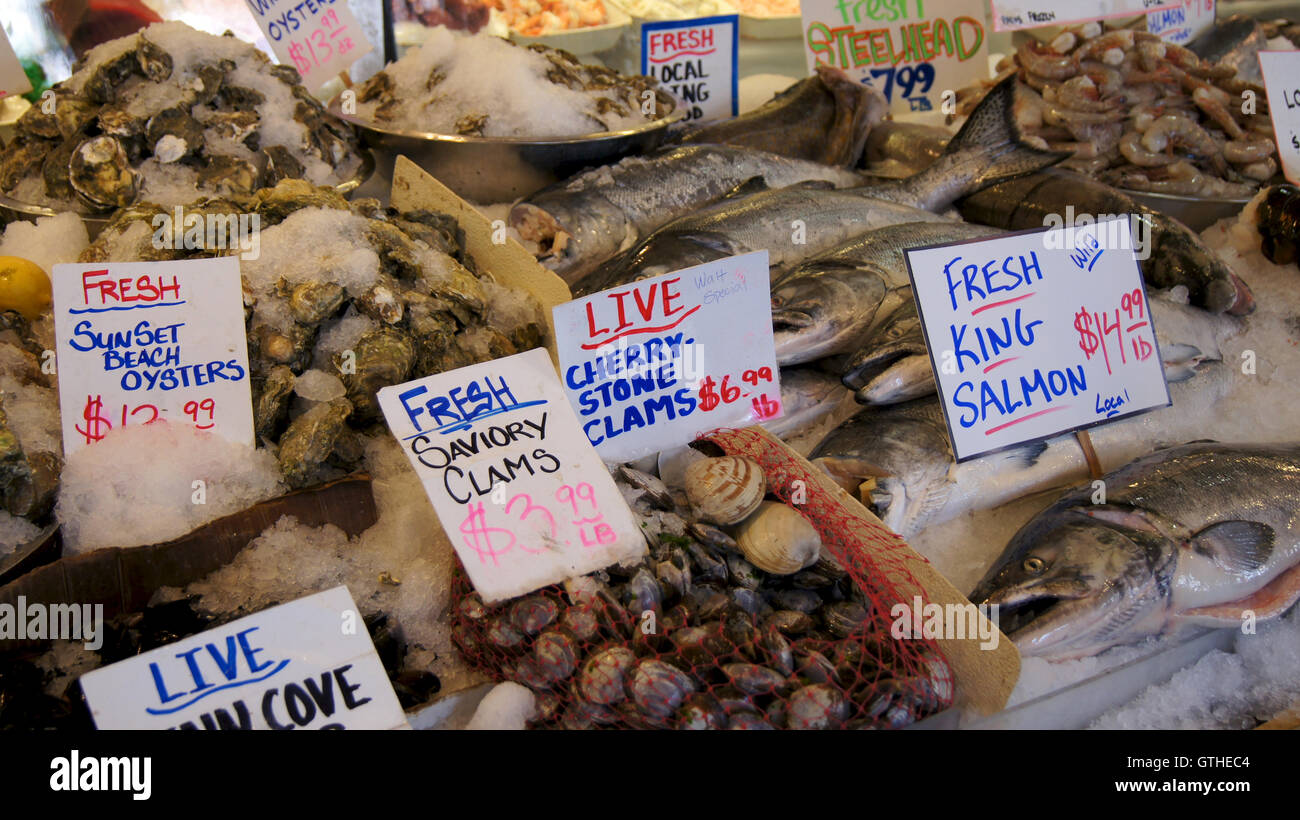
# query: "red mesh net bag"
697, 637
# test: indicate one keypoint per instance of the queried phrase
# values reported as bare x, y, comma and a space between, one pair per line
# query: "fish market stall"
701, 469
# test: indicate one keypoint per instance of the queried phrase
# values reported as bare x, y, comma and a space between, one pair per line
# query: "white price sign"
1012, 15
1036, 333
144, 341
308, 664
522, 495
1182, 23
13, 80
1282, 83
911, 52
695, 61
320, 38
652, 364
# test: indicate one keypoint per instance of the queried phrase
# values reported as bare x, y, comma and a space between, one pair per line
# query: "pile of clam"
734, 620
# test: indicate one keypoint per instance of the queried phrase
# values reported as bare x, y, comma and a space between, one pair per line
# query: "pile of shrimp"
1140, 113
537, 17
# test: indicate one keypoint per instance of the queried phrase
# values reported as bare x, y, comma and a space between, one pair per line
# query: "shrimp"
1217, 112
1262, 170
1064, 42
1241, 152
1180, 178
1170, 129
1037, 60
1109, 47
1130, 145
1081, 94
1108, 80
1103, 137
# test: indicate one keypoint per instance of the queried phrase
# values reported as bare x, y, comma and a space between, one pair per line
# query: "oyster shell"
229, 176
778, 540
172, 134
272, 402
725, 490
310, 439
101, 174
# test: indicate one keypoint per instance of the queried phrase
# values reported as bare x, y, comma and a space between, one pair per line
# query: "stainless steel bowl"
487, 170
12, 210
1197, 213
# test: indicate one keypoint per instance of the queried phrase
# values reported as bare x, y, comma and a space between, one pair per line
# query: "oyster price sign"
695, 60
308, 664
320, 38
13, 80
1281, 71
1012, 15
654, 363
523, 497
1036, 333
145, 341
908, 50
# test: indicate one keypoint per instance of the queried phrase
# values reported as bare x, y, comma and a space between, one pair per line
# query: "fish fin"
1274, 598
814, 185
1180, 353
1130, 518
1236, 546
1027, 455
1175, 373
753, 185
991, 131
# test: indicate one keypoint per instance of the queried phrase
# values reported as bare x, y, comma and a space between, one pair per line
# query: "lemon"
24, 287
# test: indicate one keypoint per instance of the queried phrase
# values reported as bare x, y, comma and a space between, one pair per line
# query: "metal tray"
487, 170
1197, 213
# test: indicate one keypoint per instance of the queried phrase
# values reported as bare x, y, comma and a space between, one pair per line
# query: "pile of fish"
1142, 113
165, 113
759, 631
1196, 535
422, 307
42, 691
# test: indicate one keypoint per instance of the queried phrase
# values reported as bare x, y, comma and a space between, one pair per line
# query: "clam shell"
725, 490
778, 540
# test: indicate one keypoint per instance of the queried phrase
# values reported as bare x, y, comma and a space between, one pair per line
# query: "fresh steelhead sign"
911, 51
1033, 334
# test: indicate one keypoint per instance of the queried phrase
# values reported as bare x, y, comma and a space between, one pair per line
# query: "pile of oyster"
710, 631
425, 309
167, 111
30, 460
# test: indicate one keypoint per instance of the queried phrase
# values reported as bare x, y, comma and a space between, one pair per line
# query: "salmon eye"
1034, 565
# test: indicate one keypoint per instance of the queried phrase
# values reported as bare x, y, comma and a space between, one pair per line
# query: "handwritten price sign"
320, 38
520, 492
143, 341
653, 364
1035, 333
695, 60
1182, 22
909, 51
1011, 15
1281, 70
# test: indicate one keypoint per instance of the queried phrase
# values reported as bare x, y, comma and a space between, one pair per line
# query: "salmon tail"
991, 134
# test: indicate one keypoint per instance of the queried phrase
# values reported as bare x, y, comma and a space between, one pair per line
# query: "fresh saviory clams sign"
522, 495
1032, 334
911, 51
309, 664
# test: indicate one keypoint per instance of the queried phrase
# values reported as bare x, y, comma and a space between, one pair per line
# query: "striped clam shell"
725, 490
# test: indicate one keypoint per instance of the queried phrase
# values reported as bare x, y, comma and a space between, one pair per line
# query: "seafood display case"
433, 215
